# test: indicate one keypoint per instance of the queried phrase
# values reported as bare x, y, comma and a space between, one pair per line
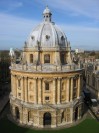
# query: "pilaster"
67, 89
71, 92
35, 90
78, 86
26, 88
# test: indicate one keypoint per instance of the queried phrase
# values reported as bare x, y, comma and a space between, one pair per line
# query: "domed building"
45, 84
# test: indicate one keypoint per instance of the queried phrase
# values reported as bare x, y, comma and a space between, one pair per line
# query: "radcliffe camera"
49, 76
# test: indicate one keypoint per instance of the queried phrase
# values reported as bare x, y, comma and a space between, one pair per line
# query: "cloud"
82, 36
89, 8
16, 4
10, 5
14, 30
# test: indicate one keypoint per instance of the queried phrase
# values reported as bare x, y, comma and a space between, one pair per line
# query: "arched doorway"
17, 114
47, 119
76, 113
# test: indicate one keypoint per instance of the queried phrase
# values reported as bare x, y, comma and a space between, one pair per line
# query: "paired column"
58, 90
40, 91
15, 87
71, 92
54, 90
79, 86
67, 90
22, 89
35, 90
26, 89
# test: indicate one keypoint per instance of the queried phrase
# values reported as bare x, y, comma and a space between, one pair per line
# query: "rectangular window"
46, 86
19, 94
46, 98
47, 58
31, 58
74, 82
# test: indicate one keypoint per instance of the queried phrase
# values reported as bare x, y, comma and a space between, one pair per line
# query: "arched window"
47, 58
31, 58
62, 116
17, 113
29, 116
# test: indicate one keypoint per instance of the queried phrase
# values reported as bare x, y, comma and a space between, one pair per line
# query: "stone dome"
47, 34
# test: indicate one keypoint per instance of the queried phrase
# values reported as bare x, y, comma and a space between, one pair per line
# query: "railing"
46, 67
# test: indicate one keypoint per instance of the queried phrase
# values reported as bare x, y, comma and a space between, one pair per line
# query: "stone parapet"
45, 68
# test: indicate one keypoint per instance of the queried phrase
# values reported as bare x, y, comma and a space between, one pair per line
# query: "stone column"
67, 89
26, 88
12, 81
35, 90
25, 116
21, 116
13, 112
54, 91
40, 91
53, 121
15, 87
78, 87
22, 91
72, 115
71, 92
58, 90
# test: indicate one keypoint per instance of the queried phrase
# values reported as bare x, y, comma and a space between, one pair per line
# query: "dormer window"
32, 37
47, 37
62, 38
47, 58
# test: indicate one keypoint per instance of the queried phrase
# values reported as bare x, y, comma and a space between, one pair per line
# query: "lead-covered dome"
47, 34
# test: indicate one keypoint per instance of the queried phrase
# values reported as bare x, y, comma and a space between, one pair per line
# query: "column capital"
59, 78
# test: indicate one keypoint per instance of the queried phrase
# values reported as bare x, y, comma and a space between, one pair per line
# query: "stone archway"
17, 113
76, 113
47, 119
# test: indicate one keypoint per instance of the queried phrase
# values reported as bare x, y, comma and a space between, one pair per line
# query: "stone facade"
92, 79
46, 85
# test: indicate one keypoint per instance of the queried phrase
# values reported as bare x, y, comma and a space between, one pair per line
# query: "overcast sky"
79, 19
